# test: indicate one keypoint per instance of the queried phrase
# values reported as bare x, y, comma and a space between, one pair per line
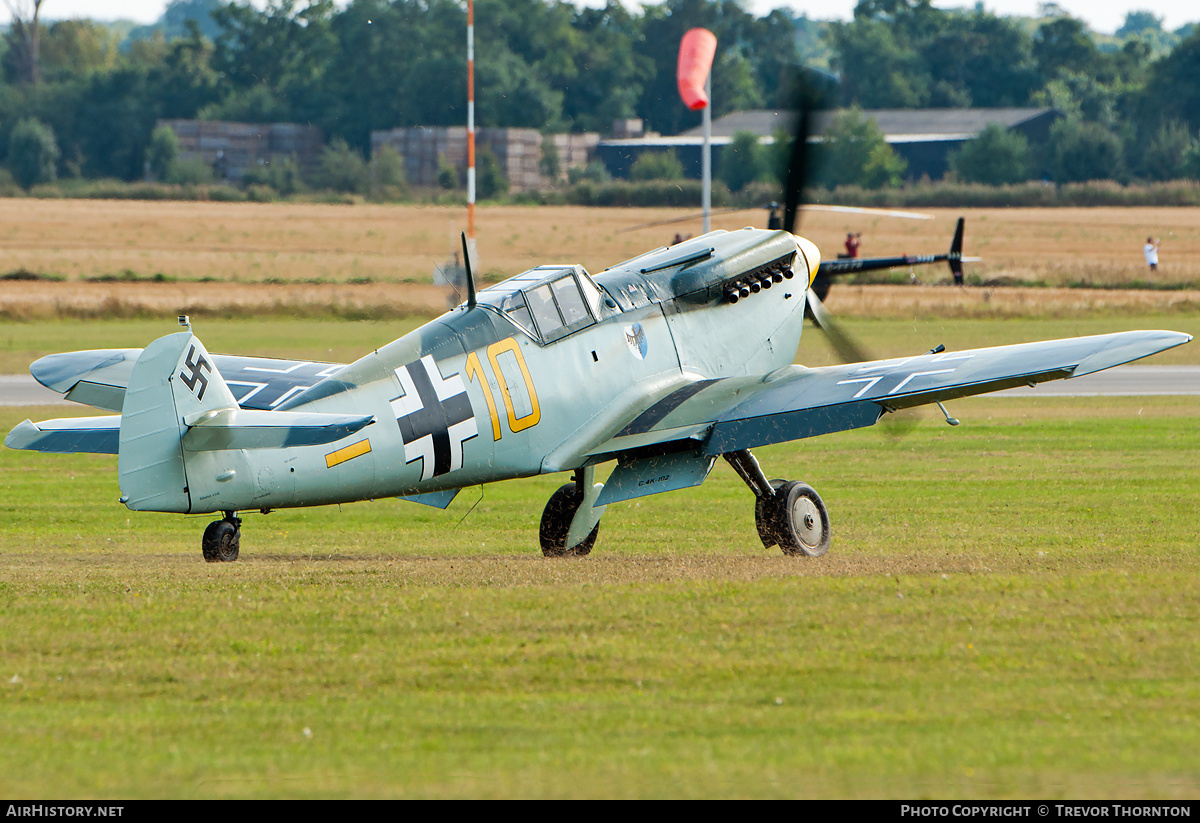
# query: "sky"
1104, 16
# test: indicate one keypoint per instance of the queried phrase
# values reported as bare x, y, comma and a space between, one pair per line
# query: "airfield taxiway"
1122, 381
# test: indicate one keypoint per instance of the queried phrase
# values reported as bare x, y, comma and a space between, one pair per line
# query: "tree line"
80, 99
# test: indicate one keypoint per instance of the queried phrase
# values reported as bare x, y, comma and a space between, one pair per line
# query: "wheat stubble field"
1009, 609
371, 250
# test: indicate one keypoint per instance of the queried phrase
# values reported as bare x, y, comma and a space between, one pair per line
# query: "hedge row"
686, 194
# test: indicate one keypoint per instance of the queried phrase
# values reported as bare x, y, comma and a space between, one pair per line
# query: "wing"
98, 378
713, 417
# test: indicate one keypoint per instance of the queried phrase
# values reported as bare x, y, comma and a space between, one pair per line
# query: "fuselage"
547, 366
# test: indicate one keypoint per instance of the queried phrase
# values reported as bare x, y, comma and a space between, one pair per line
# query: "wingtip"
22, 435
1125, 347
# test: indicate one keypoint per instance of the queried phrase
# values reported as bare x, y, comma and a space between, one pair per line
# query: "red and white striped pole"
471, 121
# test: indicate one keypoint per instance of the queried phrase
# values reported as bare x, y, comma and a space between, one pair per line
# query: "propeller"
469, 262
808, 101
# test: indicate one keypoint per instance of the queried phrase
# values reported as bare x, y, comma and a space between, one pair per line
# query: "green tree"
341, 168
387, 172
177, 17
511, 93
615, 68
32, 153
489, 174
256, 104
447, 175
282, 175
743, 161
1190, 167
878, 69
376, 79
656, 165
189, 170
1165, 155
1137, 22
981, 60
76, 48
593, 172
995, 157
734, 84
1083, 150
1171, 91
285, 47
163, 149
1064, 45
550, 164
853, 152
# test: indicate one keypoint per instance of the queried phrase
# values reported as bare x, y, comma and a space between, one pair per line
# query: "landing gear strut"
571, 520
788, 513
221, 539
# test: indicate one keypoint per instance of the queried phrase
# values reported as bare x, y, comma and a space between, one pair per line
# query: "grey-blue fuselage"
497, 391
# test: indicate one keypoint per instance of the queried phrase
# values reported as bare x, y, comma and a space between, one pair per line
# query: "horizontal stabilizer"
244, 429
94, 435
99, 377
61, 372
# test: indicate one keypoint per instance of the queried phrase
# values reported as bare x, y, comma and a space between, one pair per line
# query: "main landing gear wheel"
556, 522
221, 539
795, 518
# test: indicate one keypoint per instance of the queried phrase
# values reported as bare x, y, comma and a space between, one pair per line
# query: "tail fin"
173, 377
955, 256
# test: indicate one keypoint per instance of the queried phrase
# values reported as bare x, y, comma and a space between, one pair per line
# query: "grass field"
1009, 608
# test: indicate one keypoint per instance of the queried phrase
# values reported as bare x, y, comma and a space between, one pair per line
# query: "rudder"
173, 378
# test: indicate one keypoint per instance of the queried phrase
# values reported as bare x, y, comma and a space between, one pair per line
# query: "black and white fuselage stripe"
435, 417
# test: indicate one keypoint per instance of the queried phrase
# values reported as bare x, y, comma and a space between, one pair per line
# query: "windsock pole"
706, 160
471, 121
694, 76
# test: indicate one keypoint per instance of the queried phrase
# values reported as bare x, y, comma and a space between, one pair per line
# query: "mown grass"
1009, 610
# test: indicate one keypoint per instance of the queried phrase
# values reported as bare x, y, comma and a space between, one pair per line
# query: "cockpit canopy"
547, 302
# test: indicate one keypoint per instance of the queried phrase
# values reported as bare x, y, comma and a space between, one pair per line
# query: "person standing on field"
1151, 252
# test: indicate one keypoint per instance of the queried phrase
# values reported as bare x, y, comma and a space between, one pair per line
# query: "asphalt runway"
1123, 381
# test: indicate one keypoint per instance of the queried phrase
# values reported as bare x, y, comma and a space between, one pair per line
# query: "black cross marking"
198, 367
431, 417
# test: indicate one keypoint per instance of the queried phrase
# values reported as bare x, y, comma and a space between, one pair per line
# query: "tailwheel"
222, 539
556, 523
795, 518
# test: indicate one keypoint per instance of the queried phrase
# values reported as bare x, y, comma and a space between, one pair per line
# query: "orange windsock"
696, 52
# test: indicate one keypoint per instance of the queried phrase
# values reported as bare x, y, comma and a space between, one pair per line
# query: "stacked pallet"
233, 148
518, 151
422, 147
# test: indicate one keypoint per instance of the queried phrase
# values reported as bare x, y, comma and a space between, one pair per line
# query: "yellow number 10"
475, 369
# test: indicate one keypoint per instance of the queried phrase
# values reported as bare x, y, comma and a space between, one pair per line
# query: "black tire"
765, 517
221, 542
796, 519
556, 521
